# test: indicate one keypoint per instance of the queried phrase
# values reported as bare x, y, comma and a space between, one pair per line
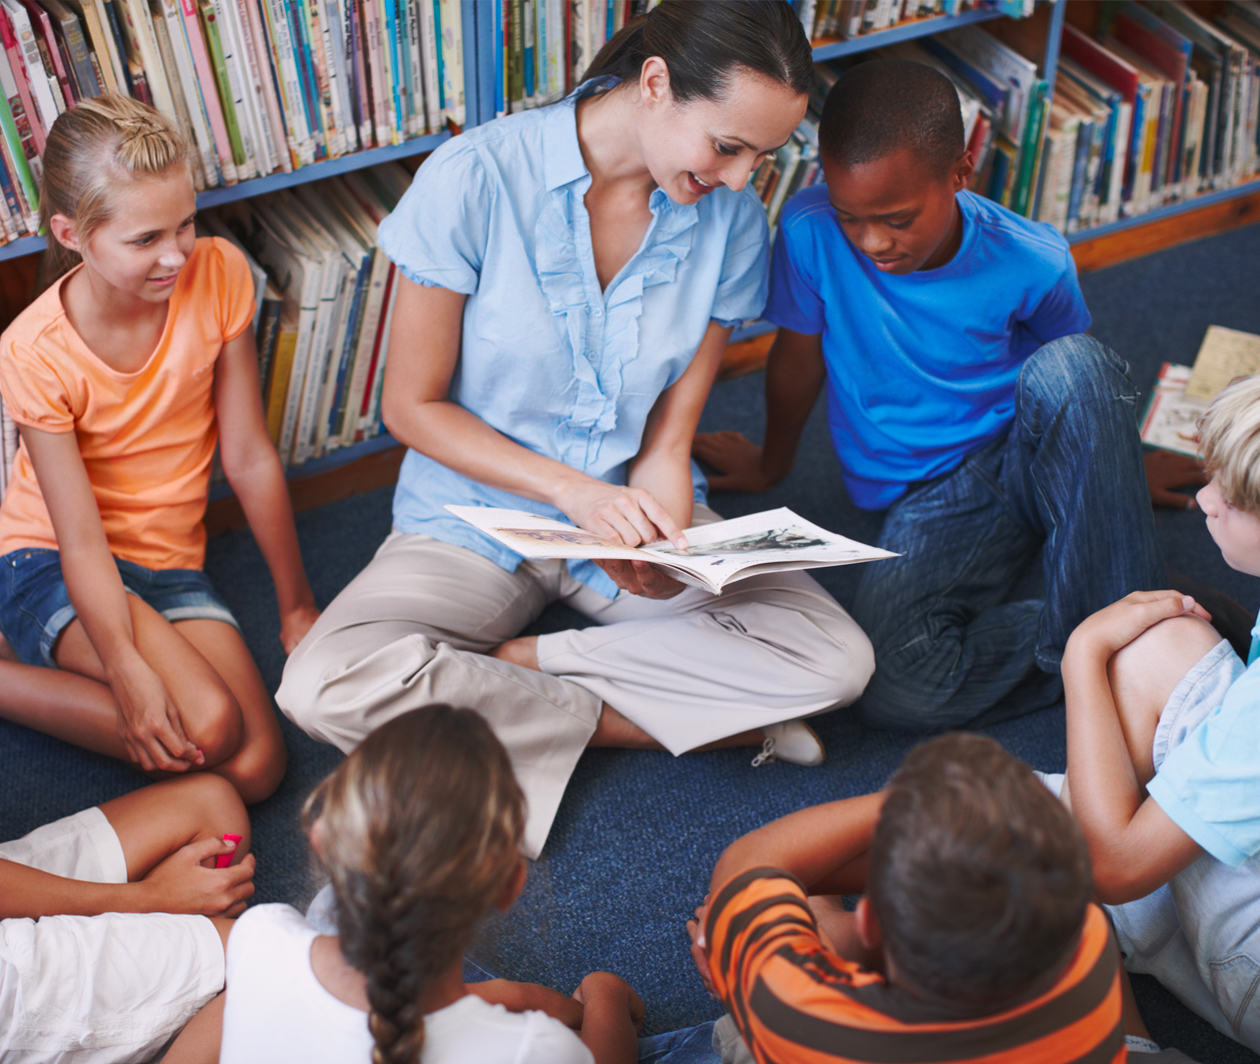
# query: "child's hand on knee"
183, 884
1115, 626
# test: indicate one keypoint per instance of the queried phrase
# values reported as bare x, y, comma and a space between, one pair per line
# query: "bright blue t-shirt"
1209, 784
921, 368
547, 358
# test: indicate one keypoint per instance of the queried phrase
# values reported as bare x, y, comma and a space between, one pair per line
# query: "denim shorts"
35, 606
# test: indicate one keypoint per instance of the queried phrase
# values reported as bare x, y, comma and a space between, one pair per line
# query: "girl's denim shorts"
35, 606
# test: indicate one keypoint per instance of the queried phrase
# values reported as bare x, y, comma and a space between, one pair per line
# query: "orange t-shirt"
792, 999
147, 438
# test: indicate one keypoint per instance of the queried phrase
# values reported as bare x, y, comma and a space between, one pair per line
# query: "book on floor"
716, 554
1182, 393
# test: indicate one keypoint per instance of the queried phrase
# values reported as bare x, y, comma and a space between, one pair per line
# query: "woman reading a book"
569, 279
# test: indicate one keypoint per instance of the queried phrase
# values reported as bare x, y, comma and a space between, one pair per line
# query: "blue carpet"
638, 833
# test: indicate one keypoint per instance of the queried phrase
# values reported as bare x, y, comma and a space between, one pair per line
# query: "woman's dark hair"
703, 41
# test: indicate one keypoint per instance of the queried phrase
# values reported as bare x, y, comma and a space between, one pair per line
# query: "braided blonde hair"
420, 831
91, 148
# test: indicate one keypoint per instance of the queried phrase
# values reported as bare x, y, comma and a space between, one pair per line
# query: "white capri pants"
416, 625
106, 989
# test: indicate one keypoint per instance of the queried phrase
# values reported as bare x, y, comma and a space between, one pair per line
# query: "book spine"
251, 17
19, 101
80, 56
409, 16
312, 26
51, 52
18, 146
114, 23
450, 47
140, 25
430, 17
378, 89
214, 47
105, 46
288, 83
341, 73
356, 62
32, 68
267, 151
183, 115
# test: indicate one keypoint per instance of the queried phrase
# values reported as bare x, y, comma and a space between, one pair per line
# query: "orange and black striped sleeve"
795, 1002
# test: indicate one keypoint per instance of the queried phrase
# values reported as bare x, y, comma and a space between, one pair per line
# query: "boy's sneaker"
794, 742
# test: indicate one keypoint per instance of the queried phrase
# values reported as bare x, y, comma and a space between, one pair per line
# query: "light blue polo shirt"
1209, 784
921, 368
547, 358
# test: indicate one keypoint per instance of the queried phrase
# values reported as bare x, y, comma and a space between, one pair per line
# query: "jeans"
1065, 483
687, 1045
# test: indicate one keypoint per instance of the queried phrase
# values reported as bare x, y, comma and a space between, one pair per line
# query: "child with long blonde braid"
420, 833
122, 376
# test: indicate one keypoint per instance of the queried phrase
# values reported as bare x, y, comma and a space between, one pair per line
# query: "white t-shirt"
277, 1010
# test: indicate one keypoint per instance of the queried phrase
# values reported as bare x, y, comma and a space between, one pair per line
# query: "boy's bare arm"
818, 845
795, 372
1134, 845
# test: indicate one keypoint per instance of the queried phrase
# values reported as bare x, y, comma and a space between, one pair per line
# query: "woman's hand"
183, 884
629, 516
149, 722
641, 578
295, 624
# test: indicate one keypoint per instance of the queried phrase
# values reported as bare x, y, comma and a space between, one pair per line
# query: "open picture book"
716, 554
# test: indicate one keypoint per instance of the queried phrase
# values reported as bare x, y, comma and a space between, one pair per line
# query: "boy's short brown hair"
1229, 440
979, 876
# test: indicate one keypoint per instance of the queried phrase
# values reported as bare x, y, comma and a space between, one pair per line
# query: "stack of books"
256, 86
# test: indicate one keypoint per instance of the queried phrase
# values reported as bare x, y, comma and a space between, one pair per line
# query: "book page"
715, 553
1223, 355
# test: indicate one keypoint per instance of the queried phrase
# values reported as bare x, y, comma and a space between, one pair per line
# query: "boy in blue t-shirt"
961, 396
1170, 710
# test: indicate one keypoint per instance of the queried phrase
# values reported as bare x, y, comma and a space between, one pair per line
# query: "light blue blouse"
547, 358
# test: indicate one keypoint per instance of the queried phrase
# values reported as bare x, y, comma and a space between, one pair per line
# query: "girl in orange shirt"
122, 376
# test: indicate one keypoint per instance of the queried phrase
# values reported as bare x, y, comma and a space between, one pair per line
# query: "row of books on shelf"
1001, 109
256, 86
325, 296
542, 47
1163, 106
844, 19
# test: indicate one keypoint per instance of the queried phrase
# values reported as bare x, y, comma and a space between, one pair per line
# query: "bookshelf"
258, 186
1038, 35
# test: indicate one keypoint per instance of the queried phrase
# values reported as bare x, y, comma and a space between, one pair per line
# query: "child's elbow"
1118, 880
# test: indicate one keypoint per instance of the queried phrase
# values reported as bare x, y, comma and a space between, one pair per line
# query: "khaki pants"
416, 625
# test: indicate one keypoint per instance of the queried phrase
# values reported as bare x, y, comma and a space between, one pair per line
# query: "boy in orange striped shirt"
975, 940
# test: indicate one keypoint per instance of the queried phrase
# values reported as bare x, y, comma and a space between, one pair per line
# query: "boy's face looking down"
1235, 531
897, 211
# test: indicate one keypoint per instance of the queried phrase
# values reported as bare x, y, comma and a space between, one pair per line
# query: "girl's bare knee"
214, 807
216, 726
256, 771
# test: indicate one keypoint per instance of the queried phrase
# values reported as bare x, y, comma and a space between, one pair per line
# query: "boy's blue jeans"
1065, 483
